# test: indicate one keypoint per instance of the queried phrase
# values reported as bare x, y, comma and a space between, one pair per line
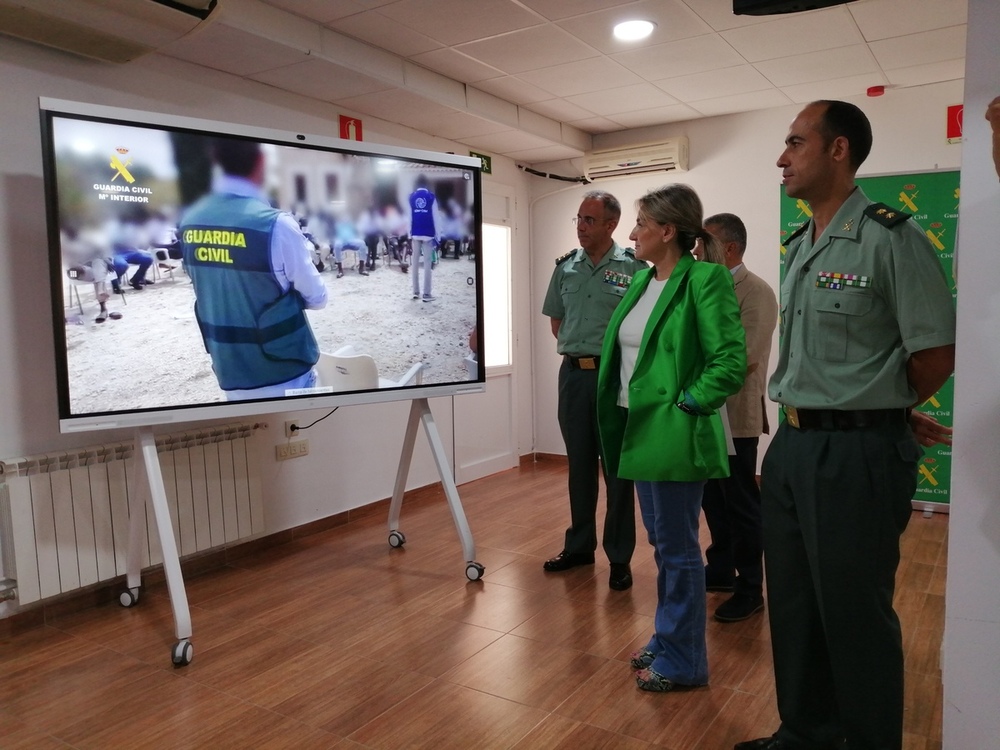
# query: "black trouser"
732, 511
834, 506
578, 422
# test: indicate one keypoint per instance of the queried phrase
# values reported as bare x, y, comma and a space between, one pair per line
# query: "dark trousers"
834, 506
578, 422
732, 511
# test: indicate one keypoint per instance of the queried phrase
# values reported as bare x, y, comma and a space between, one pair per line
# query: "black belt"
841, 419
583, 363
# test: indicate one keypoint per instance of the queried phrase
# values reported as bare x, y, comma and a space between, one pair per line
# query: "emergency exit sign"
486, 161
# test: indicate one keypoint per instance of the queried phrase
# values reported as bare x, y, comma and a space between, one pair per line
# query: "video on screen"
196, 268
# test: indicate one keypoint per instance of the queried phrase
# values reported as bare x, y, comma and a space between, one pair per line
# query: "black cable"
535, 172
296, 428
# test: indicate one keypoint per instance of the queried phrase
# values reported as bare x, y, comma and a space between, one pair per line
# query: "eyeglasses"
587, 221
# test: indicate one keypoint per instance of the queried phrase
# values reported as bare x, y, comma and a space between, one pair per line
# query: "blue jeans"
124, 256
670, 513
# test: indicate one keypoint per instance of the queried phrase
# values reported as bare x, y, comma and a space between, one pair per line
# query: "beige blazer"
759, 314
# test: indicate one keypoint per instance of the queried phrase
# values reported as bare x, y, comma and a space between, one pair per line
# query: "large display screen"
203, 269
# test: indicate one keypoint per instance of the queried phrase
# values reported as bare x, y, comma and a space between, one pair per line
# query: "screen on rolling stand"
203, 269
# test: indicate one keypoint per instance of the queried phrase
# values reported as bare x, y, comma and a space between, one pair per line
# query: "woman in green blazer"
673, 351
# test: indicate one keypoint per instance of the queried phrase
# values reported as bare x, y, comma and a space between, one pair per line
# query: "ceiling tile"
837, 88
795, 34
400, 106
560, 109
919, 75
460, 125
530, 49
324, 11
320, 79
456, 21
881, 19
918, 49
625, 99
673, 20
683, 57
555, 10
454, 64
514, 90
719, 14
818, 66
376, 29
745, 103
715, 84
581, 76
231, 50
656, 115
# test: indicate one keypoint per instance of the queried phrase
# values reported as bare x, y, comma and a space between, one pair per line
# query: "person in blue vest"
422, 233
253, 279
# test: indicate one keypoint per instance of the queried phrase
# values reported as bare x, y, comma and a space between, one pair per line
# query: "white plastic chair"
348, 370
100, 278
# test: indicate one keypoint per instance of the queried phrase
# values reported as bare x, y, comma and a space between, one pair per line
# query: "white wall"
733, 169
354, 453
971, 654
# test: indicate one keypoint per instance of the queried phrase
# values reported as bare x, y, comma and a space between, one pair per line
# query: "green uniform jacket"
693, 341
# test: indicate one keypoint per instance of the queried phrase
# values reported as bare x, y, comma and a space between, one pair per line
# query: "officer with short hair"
867, 332
253, 278
585, 288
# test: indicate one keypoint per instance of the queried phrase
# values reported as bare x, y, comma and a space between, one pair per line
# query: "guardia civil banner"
932, 199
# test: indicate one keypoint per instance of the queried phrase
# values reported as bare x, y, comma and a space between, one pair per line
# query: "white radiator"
64, 516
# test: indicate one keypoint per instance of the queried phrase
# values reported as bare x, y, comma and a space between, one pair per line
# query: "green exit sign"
486, 160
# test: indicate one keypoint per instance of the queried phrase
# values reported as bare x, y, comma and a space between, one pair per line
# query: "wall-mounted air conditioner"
110, 30
664, 156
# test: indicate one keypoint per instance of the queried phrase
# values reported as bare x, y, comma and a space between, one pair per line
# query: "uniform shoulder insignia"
629, 251
796, 233
565, 257
885, 215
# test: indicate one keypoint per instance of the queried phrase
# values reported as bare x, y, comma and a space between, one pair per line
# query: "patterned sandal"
654, 682
641, 659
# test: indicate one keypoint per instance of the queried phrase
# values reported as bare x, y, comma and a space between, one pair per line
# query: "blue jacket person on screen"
253, 278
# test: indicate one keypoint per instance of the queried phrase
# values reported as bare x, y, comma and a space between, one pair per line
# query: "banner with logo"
932, 199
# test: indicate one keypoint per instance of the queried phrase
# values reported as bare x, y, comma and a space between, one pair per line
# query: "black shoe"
621, 577
566, 560
717, 584
739, 607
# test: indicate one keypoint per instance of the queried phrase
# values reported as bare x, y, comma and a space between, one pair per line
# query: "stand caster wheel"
129, 597
182, 653
396, 539
474, 571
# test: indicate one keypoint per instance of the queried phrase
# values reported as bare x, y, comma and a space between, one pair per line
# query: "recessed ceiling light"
630, 31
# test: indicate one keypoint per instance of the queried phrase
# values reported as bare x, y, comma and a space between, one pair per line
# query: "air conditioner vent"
664, 156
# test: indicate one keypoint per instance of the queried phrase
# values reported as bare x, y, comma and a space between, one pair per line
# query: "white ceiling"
536, 79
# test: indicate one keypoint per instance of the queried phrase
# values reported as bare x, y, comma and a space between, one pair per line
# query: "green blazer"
693, 341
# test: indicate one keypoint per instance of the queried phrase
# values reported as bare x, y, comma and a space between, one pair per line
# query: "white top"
630, 334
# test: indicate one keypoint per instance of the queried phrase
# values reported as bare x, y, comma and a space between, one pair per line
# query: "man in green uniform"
585, 288
867, 331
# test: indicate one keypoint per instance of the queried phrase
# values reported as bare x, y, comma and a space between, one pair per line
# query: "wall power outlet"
291, 449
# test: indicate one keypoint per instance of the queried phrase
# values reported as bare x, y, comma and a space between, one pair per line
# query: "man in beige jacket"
732, 505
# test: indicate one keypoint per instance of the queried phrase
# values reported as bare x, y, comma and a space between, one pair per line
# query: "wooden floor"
335, 640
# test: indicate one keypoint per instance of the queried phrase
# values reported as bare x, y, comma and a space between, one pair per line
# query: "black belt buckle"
792, 417
586, 363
